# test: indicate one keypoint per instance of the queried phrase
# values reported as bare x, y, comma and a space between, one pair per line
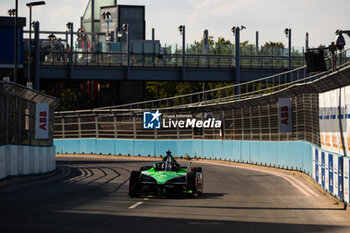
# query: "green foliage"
274, 44
158, 90
221, 46
69, 99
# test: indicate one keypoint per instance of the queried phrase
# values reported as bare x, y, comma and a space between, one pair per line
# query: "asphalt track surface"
90, 195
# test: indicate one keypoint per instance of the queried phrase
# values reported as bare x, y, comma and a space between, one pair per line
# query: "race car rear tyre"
196, 169
133, 182
192, 183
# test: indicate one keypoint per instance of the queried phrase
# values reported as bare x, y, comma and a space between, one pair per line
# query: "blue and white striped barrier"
331, 171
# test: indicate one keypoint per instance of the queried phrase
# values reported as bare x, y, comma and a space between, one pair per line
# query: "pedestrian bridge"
54, 59
114, 66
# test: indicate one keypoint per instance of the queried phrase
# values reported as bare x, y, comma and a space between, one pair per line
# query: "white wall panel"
36, 160
26, 160
2, 162
14, 156
8, 160
20, 160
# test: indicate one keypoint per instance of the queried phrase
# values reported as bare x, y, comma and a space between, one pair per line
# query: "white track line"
135, 205
287, 178
301, 185
293, 181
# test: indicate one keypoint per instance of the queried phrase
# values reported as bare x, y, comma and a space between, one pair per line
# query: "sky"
321, 18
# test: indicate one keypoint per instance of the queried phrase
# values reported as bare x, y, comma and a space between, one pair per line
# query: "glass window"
102, 3
87, 14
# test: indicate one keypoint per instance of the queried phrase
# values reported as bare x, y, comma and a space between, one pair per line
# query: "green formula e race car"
166, 178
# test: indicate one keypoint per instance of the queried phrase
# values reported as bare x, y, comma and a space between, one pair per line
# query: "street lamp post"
107, 17
16, 44
30, 5
182, 30
288, 33
340, 42
126, 28
12, 13
70, 28
37, 55
236, 33
256, 43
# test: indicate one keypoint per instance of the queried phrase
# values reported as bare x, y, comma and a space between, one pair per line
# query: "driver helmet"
169, 166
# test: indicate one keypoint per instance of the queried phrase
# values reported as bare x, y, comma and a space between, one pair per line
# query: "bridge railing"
56, 57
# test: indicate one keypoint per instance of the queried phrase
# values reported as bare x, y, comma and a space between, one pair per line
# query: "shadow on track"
255, 208
86, 222
90, 162
179, 196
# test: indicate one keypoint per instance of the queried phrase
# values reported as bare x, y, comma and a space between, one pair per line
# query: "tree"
274, 44
272, 48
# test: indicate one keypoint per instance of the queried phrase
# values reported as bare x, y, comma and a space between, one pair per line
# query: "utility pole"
257, 43
16, 45
182, 31
238, 62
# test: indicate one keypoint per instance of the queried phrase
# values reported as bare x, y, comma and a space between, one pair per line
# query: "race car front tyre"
134, 180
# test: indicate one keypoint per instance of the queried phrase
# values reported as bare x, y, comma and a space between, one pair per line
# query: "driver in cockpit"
168, 166
162, 167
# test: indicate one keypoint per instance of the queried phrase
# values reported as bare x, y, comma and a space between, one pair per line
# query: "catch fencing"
17, 115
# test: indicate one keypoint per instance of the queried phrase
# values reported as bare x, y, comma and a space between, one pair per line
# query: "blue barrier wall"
295, 155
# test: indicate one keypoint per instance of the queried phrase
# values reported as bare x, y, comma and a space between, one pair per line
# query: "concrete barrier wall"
16, 160
292, 155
